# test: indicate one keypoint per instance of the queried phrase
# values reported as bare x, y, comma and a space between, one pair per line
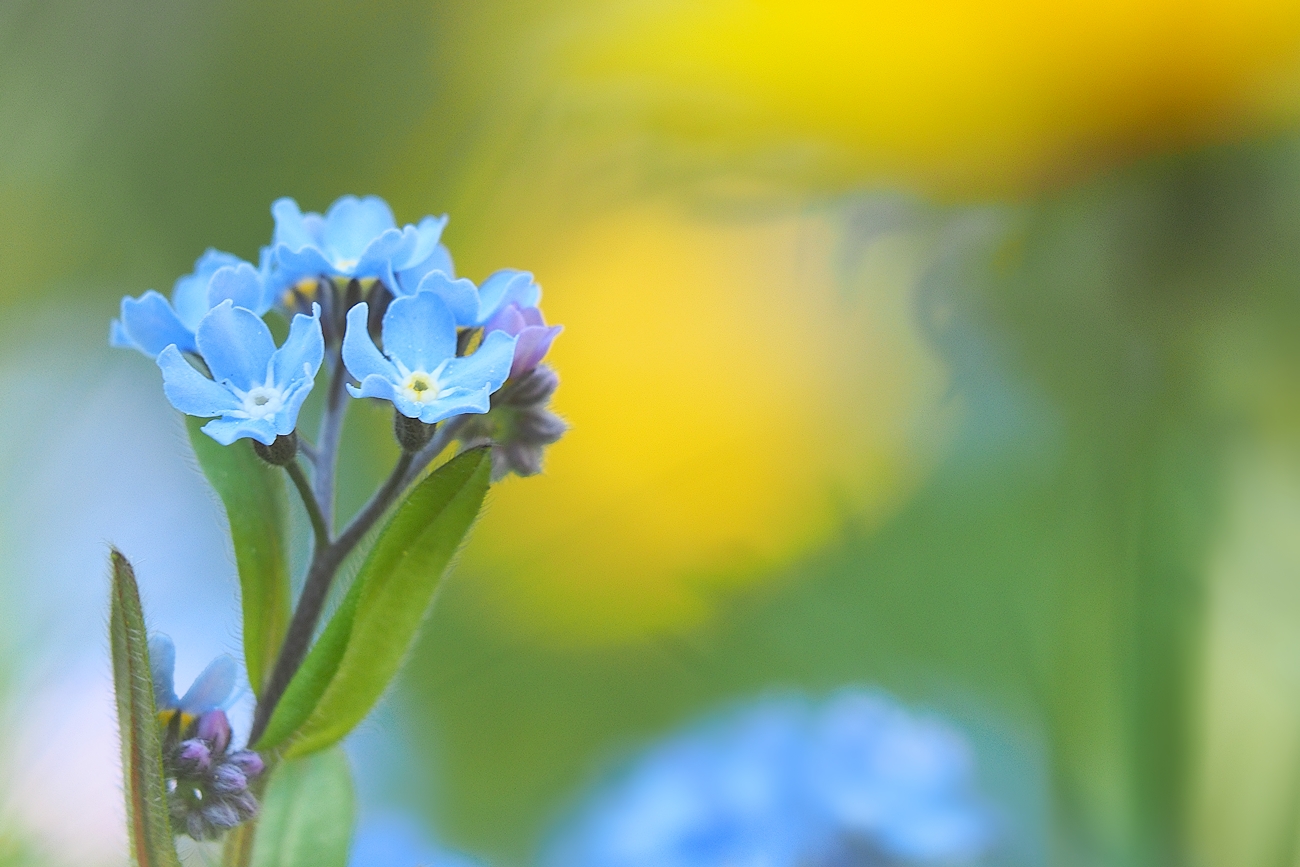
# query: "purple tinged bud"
193, 757
220, 815
228, 779
530, 327
247, 761
214, 727
539, 427
244, 804
533, 388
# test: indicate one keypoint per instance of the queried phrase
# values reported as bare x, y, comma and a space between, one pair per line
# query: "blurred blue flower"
150, 323
901, 782
780, 783
256, 389
418, 370
398, 840
210, 690
355, 238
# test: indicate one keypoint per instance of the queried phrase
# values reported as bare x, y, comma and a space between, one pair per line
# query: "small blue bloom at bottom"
399, 840
785, 783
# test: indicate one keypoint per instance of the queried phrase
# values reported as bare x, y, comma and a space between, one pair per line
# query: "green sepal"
148, 825
253, 494
308, 813
363, 646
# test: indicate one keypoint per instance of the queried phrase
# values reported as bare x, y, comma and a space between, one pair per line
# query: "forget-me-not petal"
360, 355
162, 667
239, 284
351, 225
149, 324
212, 688
237, 346
190, 391
190, 294
303, 349
356, 237
419, 331
407, 280
459, 294
506, 286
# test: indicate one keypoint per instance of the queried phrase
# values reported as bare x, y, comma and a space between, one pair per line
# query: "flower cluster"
782, 783
207, 782
381, 302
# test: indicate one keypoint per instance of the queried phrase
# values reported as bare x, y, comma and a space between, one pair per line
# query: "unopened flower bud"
280, 452
220, 815
412, 434
214, 727
377, 301
247, 761
228, 779
534, 387
193, 757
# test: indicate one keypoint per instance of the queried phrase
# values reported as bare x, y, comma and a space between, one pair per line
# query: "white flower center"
421, 387
263, 401
346, 264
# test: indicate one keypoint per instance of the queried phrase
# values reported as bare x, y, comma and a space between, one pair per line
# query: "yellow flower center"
421, 387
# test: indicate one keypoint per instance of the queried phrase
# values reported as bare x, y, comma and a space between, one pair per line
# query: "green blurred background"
946, 346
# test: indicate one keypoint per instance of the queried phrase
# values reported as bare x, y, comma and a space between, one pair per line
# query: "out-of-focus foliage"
1033, 462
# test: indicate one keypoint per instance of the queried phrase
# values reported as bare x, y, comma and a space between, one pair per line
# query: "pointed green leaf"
257, 509
307, 813
147, 820
364, 644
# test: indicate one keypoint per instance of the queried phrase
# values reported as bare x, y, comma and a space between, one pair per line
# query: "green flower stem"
327, 442
307, 450
325, 562
309, 501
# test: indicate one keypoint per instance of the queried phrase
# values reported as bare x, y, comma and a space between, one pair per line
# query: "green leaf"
147, 820
257, 509
365, 642
307, 813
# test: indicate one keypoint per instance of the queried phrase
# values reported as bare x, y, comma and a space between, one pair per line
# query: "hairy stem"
325, 563
318, 521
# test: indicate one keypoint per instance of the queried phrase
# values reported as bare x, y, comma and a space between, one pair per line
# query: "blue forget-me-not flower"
783, 783
446, 350
355, 238
256, 389
507, 301
150, 323
418, 369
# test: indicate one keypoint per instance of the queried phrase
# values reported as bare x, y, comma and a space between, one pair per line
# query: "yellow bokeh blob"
732, 403
956, 98
735, 395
